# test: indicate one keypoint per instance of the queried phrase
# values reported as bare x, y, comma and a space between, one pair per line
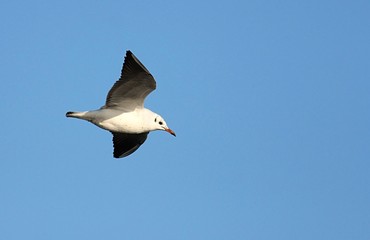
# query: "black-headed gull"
124, 114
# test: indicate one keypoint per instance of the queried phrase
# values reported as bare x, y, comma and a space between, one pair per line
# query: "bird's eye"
160, 123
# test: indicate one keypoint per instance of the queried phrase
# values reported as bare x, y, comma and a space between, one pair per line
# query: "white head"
160, 124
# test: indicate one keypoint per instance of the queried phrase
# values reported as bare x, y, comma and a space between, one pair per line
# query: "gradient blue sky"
270, 101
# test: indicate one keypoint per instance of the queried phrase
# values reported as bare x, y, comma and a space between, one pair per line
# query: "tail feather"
81, 115
69, 114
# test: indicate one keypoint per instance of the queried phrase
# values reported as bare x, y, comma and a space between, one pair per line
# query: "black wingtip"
129, 56
129, 53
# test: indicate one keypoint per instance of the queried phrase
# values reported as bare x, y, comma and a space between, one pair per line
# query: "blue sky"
269, 100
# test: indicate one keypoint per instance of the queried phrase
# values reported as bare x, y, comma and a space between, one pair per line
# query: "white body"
114, 120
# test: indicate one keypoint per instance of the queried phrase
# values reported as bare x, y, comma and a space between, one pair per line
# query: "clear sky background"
270, 101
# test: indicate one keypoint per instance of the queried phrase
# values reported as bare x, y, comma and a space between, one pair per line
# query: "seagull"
124, 114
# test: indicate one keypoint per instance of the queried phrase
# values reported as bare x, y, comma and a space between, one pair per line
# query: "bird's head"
162, 125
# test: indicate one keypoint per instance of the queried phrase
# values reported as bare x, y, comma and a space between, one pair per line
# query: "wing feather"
124, 144
135, 83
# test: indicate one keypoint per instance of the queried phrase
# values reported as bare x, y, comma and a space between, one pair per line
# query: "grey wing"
125, 144
135, 83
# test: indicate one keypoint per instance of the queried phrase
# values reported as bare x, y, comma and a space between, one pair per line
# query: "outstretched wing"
135, 83
124, 144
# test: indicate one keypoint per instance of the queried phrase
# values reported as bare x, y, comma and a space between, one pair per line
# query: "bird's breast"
126, 122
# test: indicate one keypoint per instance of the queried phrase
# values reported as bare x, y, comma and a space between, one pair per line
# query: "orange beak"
170, 131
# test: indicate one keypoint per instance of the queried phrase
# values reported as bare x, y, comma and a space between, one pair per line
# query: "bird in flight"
124, 114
